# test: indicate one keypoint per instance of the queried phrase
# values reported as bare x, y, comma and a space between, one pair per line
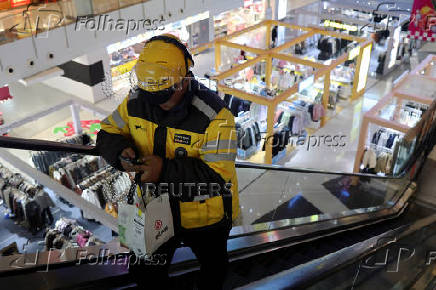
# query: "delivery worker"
183, 133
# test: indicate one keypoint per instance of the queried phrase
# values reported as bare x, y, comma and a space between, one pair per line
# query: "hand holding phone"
129, 159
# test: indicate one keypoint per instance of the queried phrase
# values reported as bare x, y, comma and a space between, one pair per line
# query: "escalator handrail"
43, 145
313, 171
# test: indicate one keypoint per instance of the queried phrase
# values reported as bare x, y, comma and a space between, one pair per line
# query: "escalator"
297, 245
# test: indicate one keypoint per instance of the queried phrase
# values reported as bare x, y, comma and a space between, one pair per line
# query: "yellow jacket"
197, 141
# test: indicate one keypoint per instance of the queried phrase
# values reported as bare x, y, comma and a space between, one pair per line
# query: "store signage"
334, 24
305, 84
423, 20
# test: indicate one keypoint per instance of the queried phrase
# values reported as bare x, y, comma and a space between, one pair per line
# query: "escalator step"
257, 272
233, 281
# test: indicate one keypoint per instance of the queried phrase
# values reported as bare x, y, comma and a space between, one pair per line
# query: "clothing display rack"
38, 169
380, 155
44, 159
66, 233
71, 170
27, 204
398, 117
248, 135
105, 189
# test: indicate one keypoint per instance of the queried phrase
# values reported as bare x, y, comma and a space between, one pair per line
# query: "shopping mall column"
87, 77
211, 28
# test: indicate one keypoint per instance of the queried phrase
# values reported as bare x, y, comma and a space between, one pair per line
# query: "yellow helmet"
163, 62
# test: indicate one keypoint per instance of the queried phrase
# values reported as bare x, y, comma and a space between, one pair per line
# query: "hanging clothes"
28, 204
247, 139
257, 133
42, 160
391, 140
258, 112
279, 142
317, 112
381, 162
236, 105
369, 159
384, 136
278, 115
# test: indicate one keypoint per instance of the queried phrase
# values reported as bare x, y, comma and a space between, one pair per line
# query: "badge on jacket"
182, 139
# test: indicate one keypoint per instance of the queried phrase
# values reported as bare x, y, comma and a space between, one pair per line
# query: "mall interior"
334, 105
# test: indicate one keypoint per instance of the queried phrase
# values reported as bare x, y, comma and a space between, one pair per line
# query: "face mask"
158, 98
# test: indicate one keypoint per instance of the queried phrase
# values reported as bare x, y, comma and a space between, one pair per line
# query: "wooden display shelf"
373, 115
267, 54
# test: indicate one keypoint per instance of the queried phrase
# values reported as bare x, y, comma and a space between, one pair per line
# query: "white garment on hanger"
91, 196
384, 136
369, 159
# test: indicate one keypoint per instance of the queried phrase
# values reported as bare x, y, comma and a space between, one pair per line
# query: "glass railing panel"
271, 196
269, 199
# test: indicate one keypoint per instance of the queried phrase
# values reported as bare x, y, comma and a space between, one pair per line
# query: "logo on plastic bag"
157, 225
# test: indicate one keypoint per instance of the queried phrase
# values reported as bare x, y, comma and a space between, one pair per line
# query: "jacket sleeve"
114, 135
217, 157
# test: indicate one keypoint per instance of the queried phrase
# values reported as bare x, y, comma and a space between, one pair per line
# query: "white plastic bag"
144, 231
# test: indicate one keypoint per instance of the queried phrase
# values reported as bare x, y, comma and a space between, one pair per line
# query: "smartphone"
130, 161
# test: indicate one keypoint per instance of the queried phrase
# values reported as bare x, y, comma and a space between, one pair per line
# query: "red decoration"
5, 94
69, 129
423, 20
